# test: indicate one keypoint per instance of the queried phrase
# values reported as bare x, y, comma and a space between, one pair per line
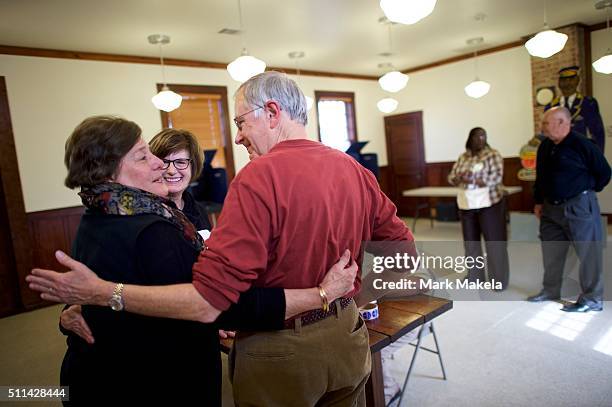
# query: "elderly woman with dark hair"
182, 162
130, 233
480, 169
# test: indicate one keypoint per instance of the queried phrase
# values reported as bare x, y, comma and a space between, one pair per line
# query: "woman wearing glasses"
182, 157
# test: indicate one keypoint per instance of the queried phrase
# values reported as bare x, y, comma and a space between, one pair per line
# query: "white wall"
49, 97
602, 91
448, 114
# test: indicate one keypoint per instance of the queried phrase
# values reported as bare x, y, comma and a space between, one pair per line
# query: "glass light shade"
393, 81
167, 100
604, 64
309, 102
407, 11
387, 105
477, 89
546, 43
244, 67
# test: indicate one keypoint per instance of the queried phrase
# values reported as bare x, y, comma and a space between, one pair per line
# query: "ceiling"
341, 36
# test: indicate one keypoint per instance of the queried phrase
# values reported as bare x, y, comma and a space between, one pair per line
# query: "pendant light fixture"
393, 81
477, 88
165, 100
387, 105
296, 56
407, 11
604, 64
547, 42
245, 66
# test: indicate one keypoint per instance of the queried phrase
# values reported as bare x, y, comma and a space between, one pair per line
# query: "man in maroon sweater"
289, 214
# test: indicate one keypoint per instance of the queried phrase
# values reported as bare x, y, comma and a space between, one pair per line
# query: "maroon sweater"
288, 217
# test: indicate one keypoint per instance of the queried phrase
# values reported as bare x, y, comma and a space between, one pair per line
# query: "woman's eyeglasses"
179, 163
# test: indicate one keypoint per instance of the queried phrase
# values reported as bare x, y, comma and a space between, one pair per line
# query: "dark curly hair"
95, 148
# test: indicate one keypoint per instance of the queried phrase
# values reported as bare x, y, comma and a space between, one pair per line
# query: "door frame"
225, 123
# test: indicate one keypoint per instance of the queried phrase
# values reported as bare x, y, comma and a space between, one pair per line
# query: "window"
204, 113
336, 116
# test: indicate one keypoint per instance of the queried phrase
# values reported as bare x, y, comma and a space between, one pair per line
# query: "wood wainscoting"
50, 230
436, 176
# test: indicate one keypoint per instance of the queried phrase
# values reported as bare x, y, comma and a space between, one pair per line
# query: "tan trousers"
323, 364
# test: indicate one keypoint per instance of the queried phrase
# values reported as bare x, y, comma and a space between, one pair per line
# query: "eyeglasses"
179, 163
239, 122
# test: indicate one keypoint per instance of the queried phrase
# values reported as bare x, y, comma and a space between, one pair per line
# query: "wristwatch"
116, 301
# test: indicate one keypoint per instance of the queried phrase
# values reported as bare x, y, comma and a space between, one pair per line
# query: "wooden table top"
378, 340
426, 305
399, 316
394, 322
447, 192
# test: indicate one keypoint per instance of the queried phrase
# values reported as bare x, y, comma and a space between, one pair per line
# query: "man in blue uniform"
584, 110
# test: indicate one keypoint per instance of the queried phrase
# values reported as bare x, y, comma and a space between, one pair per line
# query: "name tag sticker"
205, 233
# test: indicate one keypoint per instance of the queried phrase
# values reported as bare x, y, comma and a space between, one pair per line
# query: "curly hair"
95, 148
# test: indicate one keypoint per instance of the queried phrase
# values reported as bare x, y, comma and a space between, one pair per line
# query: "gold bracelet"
324, 299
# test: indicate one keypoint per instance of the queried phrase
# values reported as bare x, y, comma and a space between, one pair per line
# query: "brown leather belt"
317, 315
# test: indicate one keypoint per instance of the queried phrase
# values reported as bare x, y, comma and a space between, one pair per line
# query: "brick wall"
545, 71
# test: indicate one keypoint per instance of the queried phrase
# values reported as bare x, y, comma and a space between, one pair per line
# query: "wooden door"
406, 157
9, 292
204, 112
15, 244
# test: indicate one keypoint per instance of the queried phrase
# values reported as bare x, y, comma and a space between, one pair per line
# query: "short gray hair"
567, 115
561, 112
279, 87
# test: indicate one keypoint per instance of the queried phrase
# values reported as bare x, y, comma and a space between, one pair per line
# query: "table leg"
416, 217
431, 219
417, 212
375, 387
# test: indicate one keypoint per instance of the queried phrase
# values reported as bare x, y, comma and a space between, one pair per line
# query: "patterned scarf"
116, 199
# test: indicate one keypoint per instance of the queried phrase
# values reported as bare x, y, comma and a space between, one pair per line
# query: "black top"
134, 354
566, 169
196, 212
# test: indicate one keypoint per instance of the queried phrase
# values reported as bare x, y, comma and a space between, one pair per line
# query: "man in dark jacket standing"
570, 169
